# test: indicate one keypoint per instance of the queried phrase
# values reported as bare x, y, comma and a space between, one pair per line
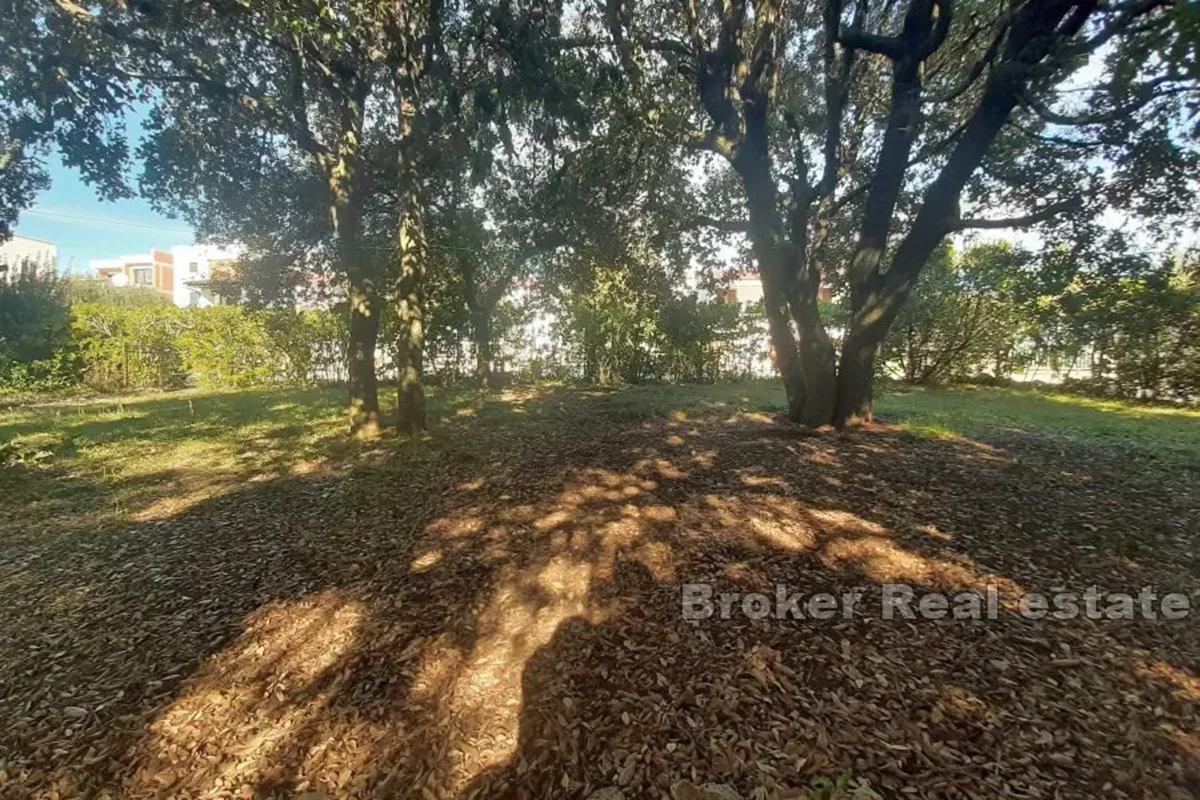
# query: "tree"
35, 323
968, 312
969, 112
242, 89
457, 71
1140, 322
59, 88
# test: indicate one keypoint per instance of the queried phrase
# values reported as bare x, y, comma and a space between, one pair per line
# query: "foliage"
966, 314
59, 88
858, 134
34, 333
695, 335
102, 292
128, 347
1140, 324
229, 347
425, 158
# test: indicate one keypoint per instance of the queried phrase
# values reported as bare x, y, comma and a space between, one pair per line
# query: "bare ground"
495, 612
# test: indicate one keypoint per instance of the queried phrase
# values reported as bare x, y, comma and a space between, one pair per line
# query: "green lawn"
1151, 434
139, 451
267, 429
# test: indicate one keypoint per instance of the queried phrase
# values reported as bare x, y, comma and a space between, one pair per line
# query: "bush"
35, 333
227, 347
98, 290
131, 347
140, 347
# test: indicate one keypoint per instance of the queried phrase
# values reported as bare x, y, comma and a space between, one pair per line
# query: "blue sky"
85, 227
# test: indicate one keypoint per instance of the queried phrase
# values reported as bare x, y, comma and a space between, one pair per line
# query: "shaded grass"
112, 459
1151, 435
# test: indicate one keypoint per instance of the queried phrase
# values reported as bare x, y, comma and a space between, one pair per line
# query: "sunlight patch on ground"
580, 537
251, 701
419, 670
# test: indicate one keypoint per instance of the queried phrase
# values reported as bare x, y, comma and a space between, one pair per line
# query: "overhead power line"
103, 221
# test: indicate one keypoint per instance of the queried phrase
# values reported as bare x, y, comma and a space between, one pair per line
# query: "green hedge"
166, 347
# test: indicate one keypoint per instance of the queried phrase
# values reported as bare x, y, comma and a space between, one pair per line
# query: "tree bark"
855, 381
342, 170
365, 308
411, 243
805, 358
410, 342
481, 334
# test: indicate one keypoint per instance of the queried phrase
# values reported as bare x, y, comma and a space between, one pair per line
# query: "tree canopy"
404, 150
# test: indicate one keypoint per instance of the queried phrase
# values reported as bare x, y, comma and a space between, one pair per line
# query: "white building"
23, 253
206, 275
151, 270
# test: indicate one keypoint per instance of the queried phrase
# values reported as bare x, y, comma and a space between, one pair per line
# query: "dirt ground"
496, 612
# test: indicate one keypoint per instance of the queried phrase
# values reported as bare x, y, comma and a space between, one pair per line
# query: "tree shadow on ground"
496, 612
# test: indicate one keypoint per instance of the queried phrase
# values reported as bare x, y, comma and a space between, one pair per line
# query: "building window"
143, 277
193, 267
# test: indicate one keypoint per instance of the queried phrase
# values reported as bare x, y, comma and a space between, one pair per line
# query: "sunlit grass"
113, 459
1162, 434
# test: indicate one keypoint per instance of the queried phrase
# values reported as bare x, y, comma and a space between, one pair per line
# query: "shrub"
34, 333
140, 347
227, 346
131, 347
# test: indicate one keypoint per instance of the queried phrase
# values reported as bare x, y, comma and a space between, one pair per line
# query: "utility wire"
104, 221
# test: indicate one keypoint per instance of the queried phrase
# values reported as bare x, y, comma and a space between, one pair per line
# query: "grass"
116, 459
263, 431
1151, 434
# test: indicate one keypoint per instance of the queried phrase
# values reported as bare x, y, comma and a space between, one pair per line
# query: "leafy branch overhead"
840, 141
860, 130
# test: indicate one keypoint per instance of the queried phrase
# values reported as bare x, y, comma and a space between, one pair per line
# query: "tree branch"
1059, 118
889, 46
723, 225
941, 28
198, 74
1041, 215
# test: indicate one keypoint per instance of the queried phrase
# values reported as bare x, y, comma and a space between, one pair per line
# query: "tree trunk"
818, 365
410, 340
856, 376
365, 309
481, 333
363, 295
805, 358
410, 236
874, 310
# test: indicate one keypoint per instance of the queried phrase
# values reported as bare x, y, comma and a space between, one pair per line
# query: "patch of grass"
1170, 436
107, 460
110, 459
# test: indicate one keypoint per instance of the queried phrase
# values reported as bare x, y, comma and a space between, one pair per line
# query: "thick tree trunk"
805, 358
855, 381
365, 309
817, 360
410, 339
363, 296
410, 244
